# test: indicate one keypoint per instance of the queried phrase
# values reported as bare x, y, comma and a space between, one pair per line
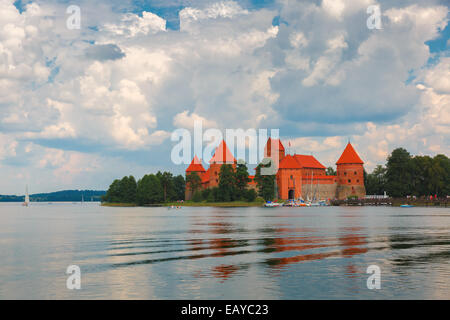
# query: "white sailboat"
27, 198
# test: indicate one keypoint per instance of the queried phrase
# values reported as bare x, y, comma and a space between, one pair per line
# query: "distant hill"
65, 195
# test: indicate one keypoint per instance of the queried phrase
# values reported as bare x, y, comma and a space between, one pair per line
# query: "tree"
149, 190
330, 171
128, 188
193, 181
399, 173
439, 175
122, 191
242, 180
375, 182
166, 180
227, 183
197, 197
114, 193
250, 195
266, 183
179, 186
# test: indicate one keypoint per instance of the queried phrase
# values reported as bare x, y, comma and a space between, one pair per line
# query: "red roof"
289, 162
308, 161
222, 154
349, 156
269, 143
195, 166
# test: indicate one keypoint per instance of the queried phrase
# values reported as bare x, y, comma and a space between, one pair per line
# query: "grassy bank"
108, 204
216, 204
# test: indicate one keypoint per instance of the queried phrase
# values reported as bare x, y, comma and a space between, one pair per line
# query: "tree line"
150, 189
405, 175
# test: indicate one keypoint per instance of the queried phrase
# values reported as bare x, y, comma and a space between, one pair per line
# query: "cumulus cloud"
113, 91
186, 120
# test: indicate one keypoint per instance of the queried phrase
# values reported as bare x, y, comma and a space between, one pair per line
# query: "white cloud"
186, 120
8, 146
320, 75
132, 25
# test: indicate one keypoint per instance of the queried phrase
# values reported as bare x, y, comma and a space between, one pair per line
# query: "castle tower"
289, 178
278, 147
195, 166
350, 174
222, 155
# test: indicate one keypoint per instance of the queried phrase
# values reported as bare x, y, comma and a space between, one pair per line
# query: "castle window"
345, 173
357, 180
355, 173
349, 180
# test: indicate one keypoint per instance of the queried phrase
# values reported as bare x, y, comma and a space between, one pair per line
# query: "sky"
82, 107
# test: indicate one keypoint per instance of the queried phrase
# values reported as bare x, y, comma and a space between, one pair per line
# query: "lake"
223, 253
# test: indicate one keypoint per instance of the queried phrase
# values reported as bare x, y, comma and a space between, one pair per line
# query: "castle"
297, 176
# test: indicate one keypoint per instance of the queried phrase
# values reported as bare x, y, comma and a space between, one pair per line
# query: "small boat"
27, 198
406, 206
270, 204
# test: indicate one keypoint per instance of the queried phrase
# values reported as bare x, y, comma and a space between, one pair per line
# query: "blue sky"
80, 108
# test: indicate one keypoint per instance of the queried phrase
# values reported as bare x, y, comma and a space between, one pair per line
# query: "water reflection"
224, 253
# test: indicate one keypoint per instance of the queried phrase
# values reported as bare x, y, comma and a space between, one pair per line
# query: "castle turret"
197, 167
350, 174
222, 155
277, 147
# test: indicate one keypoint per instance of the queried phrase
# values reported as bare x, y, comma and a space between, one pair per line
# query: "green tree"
193, 181
179, 186
375, 182
266, 183
205, 193
197, 197
128, 188
211, 197
250, 195
439, 175
242, 180
149, 190
114, 193
227, 183
330, 171
166, 180
399, 173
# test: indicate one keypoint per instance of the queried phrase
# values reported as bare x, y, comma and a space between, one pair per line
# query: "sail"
27, 196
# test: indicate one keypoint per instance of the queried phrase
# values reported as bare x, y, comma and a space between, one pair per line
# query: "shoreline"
232, 204
242, 204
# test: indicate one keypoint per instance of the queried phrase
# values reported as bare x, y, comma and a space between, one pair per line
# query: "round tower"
350, 174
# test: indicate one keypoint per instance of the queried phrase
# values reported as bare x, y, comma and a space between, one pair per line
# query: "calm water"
215, 253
